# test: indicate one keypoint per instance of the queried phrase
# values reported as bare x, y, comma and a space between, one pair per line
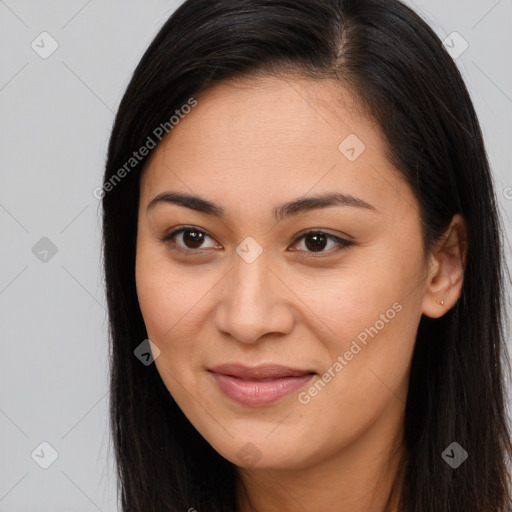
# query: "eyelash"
168, 240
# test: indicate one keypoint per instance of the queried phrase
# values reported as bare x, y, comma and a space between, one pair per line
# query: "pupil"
318, 244
193, 241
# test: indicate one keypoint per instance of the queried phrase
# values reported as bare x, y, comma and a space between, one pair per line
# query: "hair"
388, 58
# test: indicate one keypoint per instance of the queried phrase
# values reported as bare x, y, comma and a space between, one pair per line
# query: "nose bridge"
251, 303
248, 282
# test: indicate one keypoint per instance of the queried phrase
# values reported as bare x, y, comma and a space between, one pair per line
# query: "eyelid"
343, 243
340, 236
167, 238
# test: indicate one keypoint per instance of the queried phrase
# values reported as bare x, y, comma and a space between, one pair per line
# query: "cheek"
350, 299
174, 303
158, 296
164, 305
154, 303
168, 316
369, 318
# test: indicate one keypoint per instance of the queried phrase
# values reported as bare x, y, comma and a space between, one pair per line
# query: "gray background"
56, 116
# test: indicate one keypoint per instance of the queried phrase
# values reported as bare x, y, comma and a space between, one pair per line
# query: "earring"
441, 302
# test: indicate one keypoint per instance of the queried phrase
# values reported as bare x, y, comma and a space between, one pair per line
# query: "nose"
254, 301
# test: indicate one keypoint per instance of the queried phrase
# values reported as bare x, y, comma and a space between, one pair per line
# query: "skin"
248, 146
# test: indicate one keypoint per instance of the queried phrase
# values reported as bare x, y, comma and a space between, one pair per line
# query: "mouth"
257, 386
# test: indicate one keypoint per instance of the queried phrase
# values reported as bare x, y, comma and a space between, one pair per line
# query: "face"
332, 289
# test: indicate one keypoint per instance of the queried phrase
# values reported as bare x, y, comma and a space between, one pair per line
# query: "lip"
257, 386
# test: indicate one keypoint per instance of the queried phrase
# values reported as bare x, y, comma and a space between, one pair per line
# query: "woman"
303, 265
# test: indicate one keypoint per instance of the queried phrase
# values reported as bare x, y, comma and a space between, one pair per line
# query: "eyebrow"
279, 212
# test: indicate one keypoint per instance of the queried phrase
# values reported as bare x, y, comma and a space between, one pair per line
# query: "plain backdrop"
56, 115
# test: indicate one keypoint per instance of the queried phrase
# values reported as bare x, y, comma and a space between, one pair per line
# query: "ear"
446, 270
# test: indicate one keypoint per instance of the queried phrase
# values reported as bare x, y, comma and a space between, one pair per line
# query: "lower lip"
255, 393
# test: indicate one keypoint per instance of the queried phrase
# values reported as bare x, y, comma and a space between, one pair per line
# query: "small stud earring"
441, 302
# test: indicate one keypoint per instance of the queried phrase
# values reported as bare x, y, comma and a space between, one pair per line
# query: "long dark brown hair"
396, 66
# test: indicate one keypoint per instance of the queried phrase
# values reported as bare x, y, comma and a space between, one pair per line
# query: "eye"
191, 236
315, 241
192, 239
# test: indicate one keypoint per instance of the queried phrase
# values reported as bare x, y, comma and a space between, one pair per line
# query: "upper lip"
258, 372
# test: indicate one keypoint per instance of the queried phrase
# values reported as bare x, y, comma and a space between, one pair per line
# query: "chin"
260, 452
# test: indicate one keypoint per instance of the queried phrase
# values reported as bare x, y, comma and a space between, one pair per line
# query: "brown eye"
192, 238
316, 241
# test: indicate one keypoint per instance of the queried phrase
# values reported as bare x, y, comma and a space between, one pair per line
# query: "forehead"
270, 111
256, 139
